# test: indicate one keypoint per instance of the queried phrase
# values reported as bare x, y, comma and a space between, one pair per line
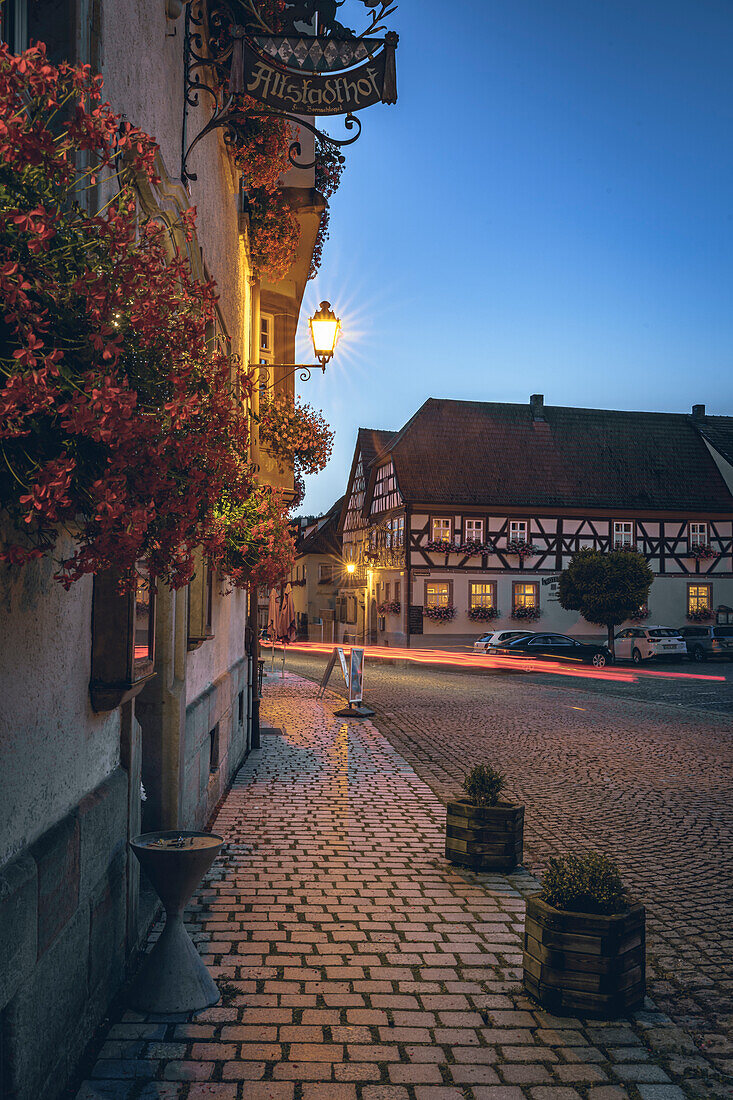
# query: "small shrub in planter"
481, 832
584, 940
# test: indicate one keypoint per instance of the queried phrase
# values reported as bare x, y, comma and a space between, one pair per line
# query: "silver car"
703, 640
496, 637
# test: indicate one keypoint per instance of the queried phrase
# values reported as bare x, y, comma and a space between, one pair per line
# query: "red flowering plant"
526, 612
440, 546
118, 419
294, 432
391, 607
483, 614
701, 615
442, 614
521, 548
250, 542
703, 551
472, 547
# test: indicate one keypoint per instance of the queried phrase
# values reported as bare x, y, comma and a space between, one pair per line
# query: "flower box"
483, 614
472, 547
440, 614
484, 838
704, 615
587, 964
521, 548
441, 546
526, 613
703, 552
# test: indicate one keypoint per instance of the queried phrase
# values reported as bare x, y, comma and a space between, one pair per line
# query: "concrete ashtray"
173, 977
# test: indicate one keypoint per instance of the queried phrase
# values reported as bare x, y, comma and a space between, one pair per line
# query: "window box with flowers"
527, 613
521, 548
483, 614
474, 547
440, 614
641, 615
441, 546
392, 607
703, 552
701, 615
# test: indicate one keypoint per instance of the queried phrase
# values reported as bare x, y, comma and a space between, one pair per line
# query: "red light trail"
476, 661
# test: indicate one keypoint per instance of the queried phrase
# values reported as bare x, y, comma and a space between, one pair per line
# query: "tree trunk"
610, 627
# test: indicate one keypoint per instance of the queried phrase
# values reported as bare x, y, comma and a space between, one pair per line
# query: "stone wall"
63, 931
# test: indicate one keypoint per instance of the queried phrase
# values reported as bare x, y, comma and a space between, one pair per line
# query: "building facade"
463, 520
315, 577
122, 714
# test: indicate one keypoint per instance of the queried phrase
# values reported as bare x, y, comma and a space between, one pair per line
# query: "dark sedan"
555, 647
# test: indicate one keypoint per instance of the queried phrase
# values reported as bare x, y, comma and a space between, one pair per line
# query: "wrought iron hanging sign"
290, 73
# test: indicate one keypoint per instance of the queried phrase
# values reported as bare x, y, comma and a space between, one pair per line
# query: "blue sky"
548, 208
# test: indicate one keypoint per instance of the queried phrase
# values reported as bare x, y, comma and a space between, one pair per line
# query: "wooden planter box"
484, 838
585, 963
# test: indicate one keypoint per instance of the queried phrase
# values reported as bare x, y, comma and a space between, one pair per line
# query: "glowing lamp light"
325, 328
351, 568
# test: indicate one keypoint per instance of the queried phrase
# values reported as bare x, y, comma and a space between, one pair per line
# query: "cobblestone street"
356, 964
649, 783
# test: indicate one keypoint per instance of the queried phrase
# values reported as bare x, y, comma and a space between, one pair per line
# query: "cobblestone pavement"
650, 784
356, 964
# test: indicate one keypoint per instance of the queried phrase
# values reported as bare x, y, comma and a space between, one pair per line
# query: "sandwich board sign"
353, 673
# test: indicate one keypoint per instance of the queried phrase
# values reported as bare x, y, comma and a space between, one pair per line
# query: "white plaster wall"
207, 663
53, 748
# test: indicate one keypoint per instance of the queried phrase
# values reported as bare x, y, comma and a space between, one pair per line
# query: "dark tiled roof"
371, 442
485, 453
718, 430
325, 539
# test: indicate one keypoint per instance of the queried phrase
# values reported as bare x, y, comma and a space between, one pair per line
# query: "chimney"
537, 405
698, 412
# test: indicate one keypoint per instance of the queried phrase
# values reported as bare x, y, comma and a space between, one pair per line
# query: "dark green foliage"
483, 785
607, 589
587, 883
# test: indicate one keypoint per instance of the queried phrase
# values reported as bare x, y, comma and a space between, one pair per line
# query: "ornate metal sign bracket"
280, 76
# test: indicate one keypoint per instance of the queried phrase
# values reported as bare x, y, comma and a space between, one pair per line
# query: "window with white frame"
483, 595
441, 529
623, 533
517, 530
474, 530
698, 534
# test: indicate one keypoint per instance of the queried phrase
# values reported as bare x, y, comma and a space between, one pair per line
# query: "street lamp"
325, 328
351, 568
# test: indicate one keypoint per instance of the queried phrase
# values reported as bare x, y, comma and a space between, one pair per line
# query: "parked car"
639, 644
496, 637
705, 640
555, 647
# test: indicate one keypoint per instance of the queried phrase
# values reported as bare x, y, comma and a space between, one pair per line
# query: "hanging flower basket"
521, 548
703, 615
440, 614
703, 553
392, 607
483, 614
526, 613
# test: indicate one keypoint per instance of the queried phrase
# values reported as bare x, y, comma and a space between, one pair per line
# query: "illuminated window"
144, 621
698, 534
437, 593
517, 530
475, 530
623, 533
525, 595
441, 529
699, 598
483, 595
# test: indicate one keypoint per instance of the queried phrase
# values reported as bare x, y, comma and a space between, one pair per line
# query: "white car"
496, 637
638, 644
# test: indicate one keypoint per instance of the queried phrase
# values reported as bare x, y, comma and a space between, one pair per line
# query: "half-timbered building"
464, 519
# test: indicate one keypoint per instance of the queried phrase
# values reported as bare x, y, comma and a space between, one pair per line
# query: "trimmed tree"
607, 589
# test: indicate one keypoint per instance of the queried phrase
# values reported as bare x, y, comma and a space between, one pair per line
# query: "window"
144, 622
698, 534
518, 530
386, 591
441, 529
214, 748
475, 530
623, 533
397, 592
267, 341
325, 573
437, 593
699, 598
483, 595
525, 595
398, 531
